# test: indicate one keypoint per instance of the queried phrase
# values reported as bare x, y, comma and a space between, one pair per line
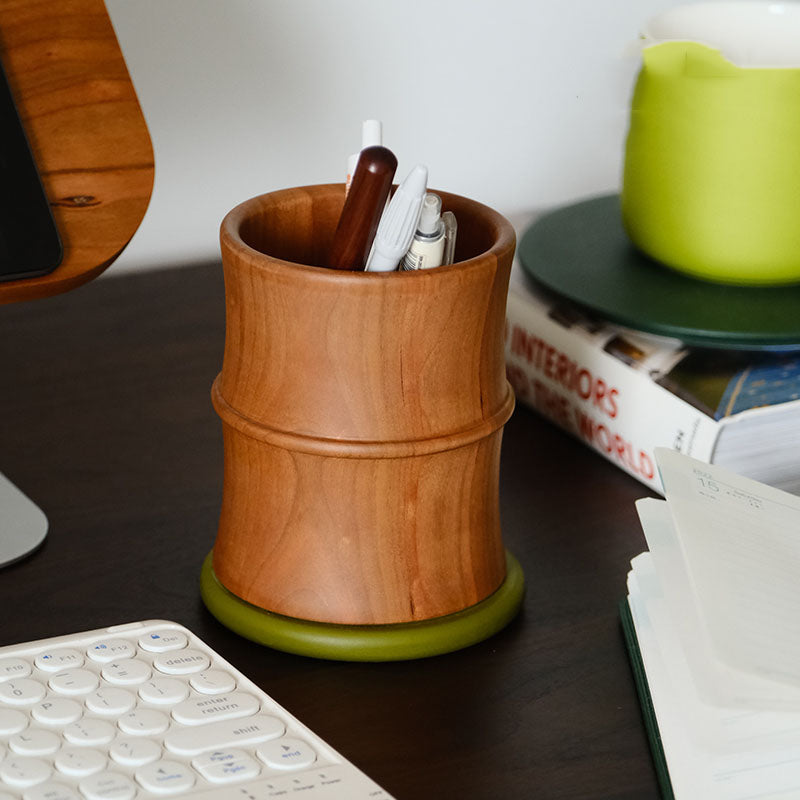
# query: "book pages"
717, 682
740, 545
713, 605
712, 752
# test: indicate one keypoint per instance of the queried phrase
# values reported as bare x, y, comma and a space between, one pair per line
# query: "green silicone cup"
712, 166
396, 642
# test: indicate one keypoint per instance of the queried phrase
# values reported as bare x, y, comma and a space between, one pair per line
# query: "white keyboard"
149, 710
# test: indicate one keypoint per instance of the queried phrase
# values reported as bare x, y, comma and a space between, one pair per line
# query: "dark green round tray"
582, 253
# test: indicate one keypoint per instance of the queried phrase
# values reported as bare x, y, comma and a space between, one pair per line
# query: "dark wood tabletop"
107, 424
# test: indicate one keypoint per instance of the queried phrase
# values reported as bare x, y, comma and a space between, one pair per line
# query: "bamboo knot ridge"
354, 448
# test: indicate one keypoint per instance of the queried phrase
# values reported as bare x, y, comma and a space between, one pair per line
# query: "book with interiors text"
624, 393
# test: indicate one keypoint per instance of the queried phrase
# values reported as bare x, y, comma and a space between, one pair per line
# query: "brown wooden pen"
369, 190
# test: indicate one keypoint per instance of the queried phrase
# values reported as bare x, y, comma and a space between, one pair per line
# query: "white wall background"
521, 104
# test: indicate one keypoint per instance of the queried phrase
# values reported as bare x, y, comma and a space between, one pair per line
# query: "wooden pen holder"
362, 417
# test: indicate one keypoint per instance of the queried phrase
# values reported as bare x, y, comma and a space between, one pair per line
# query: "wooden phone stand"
91, 145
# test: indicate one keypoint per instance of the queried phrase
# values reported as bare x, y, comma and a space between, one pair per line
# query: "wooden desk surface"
107, 423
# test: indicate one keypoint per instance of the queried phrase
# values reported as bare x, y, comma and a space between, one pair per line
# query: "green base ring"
396, 642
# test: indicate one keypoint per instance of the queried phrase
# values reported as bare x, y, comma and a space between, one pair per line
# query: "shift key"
228, 733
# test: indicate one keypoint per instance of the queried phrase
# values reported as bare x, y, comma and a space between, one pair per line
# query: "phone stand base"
23, 525
396, 642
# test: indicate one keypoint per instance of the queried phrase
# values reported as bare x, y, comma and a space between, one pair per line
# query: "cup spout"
688, 59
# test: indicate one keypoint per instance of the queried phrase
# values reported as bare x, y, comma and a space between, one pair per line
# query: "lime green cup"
711, 182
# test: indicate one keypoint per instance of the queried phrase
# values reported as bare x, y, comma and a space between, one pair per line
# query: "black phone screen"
29, 240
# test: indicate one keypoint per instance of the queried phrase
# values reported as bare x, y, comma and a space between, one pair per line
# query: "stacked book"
624, 392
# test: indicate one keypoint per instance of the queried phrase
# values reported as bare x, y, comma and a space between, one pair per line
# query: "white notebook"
715, 605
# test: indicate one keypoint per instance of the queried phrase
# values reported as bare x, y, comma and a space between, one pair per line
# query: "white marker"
399, 221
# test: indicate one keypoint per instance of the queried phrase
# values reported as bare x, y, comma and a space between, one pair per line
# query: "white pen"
399, 221
371, 135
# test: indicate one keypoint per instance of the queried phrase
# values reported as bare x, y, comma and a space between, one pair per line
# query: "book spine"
564, 373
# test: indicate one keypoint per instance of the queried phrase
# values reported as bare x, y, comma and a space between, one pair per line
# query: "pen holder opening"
362, 417
297, 225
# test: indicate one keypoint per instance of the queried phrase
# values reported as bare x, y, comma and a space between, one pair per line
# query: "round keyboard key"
126, 672
22, 772
12, 721
163, 691
223, 755
55, 660
35, 742
110, 702
286, 754
134, 751
226, 766
79, 761
22, 692
14, 668
111, 650
57, 711
213, 681
107, 786
49, 791
165, 777
143, 722
90, 732
163, 641
74, 682
183, 662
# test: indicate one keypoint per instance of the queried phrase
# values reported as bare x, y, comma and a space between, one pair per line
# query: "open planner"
712, 623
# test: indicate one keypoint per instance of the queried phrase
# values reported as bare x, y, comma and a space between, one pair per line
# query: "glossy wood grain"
86, 131
107, 423
361, 213
363, 416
